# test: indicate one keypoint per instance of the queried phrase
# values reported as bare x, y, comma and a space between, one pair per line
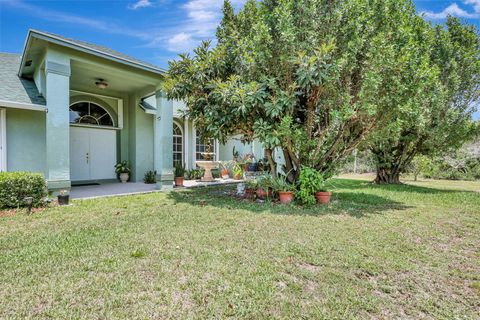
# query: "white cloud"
203, 18
455, 10
181, 42
140, 4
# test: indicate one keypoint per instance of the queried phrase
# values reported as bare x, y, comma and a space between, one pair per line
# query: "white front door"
93, 153
3, 140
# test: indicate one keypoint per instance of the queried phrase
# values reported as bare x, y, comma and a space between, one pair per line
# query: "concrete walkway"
120, 189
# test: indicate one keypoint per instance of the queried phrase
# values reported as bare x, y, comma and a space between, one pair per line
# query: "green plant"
251, 184
179, 170
150, 177
195, 174
122, 167
16, 186
237, 170
266, 182
309, 182
281, 184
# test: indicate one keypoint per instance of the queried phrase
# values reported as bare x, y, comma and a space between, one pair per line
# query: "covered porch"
122, 189
95, 113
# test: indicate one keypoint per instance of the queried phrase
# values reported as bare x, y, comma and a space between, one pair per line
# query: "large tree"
311, 78
437, 118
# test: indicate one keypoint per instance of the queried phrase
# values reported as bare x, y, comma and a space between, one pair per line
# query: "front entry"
93, 153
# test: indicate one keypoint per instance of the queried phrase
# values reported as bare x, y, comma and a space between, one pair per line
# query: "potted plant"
323, 196
250, 189
264, 189
284, 189
123, 171
312, 187
63, 198
224, 172
179, 173
237, 172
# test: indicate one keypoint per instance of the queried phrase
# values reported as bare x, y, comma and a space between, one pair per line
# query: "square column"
163, 141
57, 76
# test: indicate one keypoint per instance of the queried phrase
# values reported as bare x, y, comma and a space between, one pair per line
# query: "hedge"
16, 186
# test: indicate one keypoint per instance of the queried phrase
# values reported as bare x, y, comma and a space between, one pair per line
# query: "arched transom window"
90, 113
177, 145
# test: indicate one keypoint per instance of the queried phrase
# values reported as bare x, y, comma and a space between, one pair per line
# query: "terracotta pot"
249, 193
237, 176
225, 174
262, 194
323, 197
285, 196
124, 177
179, 181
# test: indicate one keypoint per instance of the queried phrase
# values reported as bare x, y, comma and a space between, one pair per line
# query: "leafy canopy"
308, 78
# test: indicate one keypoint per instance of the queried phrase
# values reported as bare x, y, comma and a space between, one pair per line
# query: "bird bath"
208, 165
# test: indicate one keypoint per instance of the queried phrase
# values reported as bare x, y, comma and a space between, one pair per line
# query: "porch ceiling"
84, 75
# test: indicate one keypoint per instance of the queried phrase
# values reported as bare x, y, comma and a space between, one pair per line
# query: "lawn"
409, 251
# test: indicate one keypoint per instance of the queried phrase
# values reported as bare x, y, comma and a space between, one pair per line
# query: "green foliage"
442, 87
251, 184
179, 170
150, 177
195, 174
456, 166
311, 77
265, 182
16, 186
237, 170
309, 182
122, 167
281, 184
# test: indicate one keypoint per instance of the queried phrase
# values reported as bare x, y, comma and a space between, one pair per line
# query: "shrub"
195, 174
150, 177
310, 182
16, 186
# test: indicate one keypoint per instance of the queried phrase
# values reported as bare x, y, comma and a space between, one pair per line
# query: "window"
177, 145
204, 146
91, 114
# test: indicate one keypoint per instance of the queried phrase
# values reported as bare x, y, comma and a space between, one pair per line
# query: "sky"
155, 31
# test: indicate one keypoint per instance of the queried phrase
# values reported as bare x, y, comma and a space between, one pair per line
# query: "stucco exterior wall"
25, 140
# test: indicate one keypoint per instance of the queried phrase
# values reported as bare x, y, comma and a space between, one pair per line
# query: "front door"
93, 153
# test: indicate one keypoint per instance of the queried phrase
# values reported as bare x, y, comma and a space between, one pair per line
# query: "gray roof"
12, 87
100, 49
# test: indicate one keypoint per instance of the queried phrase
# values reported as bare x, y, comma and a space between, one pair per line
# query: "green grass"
374, 252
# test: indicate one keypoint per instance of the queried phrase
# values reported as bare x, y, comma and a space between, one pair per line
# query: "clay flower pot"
225, 174
285, 196
262, 193
237, 176
249, 193
323, 197
124, 177
179, 181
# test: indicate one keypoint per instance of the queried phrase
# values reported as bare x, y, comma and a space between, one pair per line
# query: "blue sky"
151, 30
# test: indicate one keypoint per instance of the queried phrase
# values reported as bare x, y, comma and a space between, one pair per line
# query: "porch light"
102, 84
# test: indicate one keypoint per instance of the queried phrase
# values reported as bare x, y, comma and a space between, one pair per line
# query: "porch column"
57, 84
163, 141
186, 139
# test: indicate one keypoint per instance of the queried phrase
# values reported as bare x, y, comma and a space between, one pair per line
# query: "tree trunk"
387, 176
271, 162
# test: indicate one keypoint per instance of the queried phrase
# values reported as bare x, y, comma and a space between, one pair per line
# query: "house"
72, 110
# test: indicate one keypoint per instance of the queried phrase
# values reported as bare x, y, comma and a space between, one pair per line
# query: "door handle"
87, 157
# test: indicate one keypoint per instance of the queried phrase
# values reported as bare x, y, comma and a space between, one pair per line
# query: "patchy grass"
409, 251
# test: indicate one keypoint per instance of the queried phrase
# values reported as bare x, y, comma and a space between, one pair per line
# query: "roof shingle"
13, 88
